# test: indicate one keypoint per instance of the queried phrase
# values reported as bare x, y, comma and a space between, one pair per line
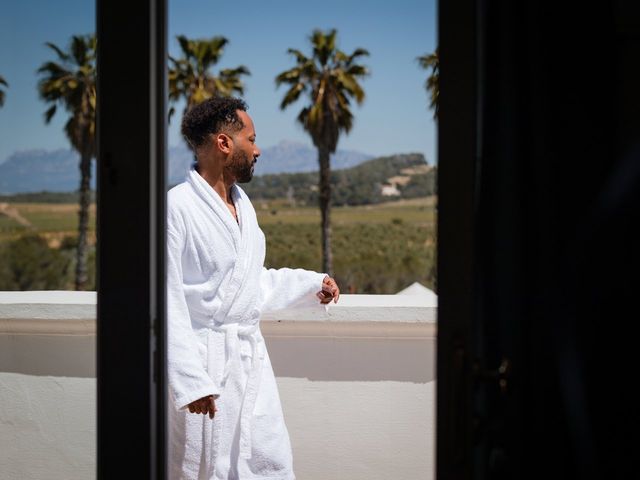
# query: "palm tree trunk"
325, 209
83, 223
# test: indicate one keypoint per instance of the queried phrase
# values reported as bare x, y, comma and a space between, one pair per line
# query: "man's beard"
242, 167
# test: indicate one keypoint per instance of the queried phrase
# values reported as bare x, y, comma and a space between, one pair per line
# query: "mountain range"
57, 170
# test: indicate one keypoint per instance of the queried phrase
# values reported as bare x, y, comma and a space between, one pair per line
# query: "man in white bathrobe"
225, 418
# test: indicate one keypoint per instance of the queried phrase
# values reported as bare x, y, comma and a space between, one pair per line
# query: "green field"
377, 248
419, 211
45, 218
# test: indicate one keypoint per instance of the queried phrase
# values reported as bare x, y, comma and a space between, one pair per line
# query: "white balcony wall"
47, 385
357, 385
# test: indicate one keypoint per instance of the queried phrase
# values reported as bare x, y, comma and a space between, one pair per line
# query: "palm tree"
432, 61
330, 78
190, 76
70, 83
2, 82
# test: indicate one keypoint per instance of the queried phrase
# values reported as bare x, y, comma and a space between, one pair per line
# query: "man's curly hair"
217, 114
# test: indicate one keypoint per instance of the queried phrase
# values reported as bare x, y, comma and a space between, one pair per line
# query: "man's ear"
223, 142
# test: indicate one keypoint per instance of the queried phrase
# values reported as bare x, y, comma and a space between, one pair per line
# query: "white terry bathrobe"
217, 289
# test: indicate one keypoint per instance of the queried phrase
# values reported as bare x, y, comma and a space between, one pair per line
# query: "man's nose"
257, 152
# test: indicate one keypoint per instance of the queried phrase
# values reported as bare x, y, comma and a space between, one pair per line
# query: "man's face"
245, 151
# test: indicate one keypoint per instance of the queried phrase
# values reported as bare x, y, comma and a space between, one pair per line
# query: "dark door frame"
131, 138
457, 154
539, 203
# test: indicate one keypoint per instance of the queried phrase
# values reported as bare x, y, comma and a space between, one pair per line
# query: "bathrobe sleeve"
286, 288
188, 379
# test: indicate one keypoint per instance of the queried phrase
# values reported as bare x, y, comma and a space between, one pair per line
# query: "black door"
539, 188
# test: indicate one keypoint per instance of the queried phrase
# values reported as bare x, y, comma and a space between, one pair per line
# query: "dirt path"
8, 211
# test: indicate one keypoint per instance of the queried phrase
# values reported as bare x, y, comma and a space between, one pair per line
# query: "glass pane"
341, 97
47, 240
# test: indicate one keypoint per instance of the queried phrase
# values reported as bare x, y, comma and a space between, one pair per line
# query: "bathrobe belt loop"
233, 332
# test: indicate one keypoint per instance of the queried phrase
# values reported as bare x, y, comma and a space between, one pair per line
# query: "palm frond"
235, 72
62, 56
2, 94
290, 76
49, 113
357, 70
358, 52
324, 45
432, 84
430, 60
185, 45
292, 95
52, 69
79, 49
351, 86
300, 57
210, 51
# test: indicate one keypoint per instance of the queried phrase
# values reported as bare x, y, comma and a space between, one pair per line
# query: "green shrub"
28, 263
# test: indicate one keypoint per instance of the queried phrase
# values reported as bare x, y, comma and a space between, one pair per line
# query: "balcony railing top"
74, 313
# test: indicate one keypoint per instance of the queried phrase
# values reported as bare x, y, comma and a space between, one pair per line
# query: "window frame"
131, 206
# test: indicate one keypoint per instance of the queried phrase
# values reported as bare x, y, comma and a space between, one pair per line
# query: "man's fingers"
332, 289
212, 407
330, 285
204, 406
331, 293
325, 297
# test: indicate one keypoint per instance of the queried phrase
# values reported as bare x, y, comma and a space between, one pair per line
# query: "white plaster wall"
47, 427
360, 430
357, 387
47, 385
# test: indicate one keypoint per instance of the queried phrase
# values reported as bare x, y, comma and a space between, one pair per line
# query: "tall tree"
432, 84
190, 76
70, 83
329, 79
2, 94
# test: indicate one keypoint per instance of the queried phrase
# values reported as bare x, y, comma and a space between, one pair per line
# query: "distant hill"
381, 179
57, 170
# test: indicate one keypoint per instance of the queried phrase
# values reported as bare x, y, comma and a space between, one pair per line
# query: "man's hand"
330, 291
204, 405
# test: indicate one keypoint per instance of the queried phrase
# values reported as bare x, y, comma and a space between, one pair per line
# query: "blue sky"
393, 119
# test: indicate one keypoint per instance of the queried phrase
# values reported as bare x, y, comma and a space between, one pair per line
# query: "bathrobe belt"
233, 332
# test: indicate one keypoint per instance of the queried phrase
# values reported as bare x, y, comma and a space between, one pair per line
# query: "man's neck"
217, 179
